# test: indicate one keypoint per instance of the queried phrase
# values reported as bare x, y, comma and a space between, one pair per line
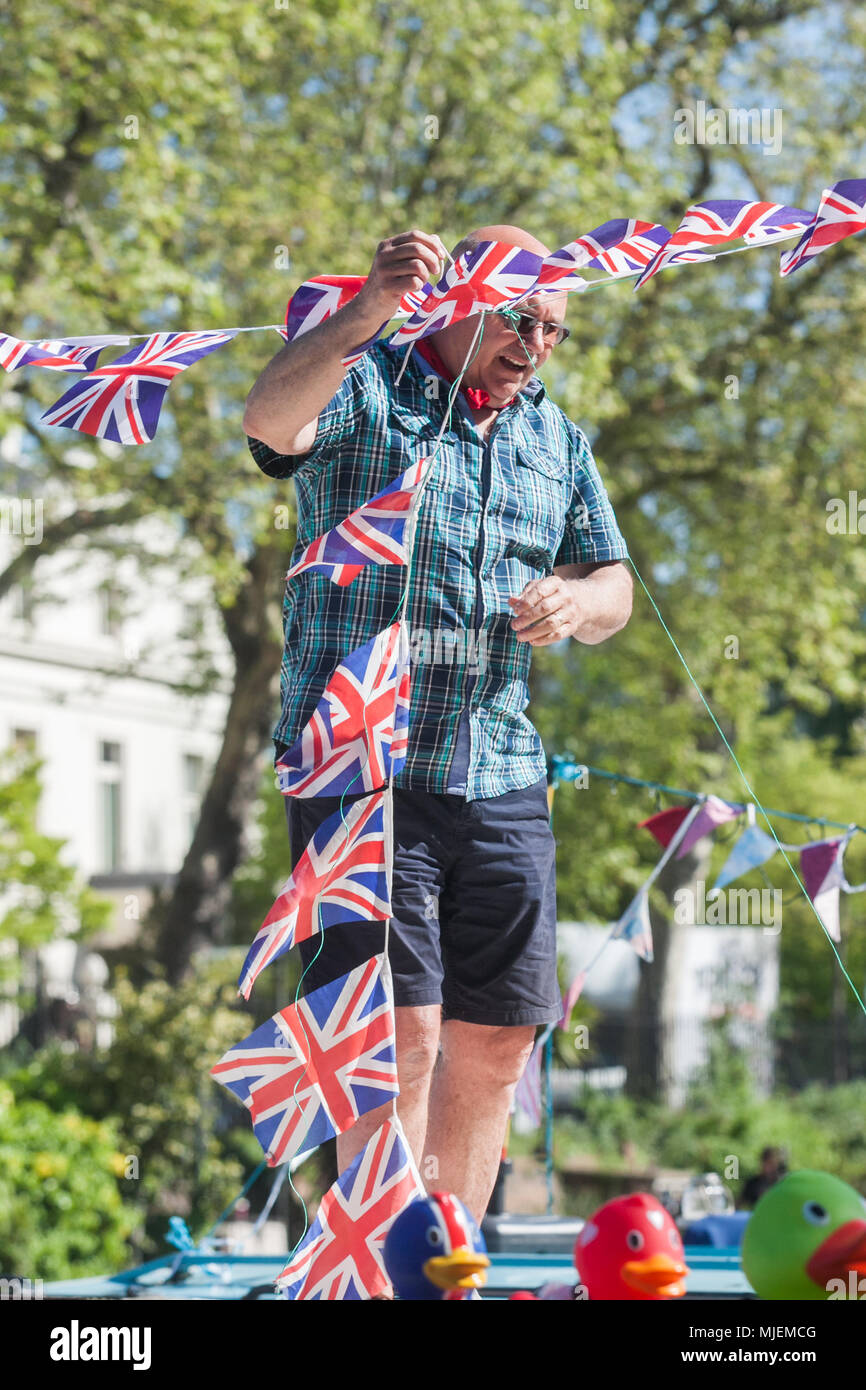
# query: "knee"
499, 1055
417, 1043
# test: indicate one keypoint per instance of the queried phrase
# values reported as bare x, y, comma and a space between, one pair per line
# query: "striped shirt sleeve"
337, 422
591, 530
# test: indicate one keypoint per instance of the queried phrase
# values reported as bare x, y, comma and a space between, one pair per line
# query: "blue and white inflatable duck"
435, 1250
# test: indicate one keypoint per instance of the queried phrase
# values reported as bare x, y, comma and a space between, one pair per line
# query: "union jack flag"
371, 535
841, 213
492, 274
712, 223
317, 299
340, 877
341, 1257
622, 244
357, 734
48, 352
122, 400
315, 1067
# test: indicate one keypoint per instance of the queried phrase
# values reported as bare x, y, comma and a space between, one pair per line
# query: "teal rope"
747, 784
567, 768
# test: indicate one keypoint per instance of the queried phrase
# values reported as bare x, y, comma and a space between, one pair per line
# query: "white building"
94, 657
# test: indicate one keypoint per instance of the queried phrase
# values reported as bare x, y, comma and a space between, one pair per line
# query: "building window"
110, 806
193, 790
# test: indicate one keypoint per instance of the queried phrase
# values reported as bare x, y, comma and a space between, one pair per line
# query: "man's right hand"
401, 265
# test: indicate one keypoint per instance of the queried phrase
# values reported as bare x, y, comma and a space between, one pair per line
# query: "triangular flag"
753, 848
713, 813
357, 734
665, 824
634, 926
340, 877
340, 1257
373, 534
571, 996
316, 1066
823, 875
816, 862
527, 1093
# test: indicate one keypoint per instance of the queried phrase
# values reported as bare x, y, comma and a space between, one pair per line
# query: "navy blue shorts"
474, 903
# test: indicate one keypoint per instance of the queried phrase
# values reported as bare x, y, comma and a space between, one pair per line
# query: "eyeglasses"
524, 324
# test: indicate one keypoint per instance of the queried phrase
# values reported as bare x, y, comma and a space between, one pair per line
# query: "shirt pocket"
412, 434
534, 514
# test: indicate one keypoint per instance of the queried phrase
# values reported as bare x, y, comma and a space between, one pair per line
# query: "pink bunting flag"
528, 1091
713, 813
571, 996
821, 868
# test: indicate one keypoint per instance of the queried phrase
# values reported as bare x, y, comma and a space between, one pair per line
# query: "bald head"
502, 231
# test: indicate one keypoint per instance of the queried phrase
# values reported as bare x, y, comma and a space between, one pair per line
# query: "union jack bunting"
317, 299
48, 352
311, 1070
492, 274
340, 1257
357, 734
622, 244
841, 213
122, 400
371, 535
340, 877
709, 224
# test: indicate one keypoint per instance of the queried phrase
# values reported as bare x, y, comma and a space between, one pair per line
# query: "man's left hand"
548, 610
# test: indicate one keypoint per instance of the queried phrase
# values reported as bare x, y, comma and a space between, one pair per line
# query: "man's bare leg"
417, 1033
473, 1086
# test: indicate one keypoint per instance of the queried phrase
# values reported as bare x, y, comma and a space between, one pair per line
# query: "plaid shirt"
496, 513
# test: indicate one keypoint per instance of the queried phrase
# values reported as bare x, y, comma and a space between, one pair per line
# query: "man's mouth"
515, 365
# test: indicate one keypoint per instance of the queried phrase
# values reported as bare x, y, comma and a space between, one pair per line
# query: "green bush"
61, 1211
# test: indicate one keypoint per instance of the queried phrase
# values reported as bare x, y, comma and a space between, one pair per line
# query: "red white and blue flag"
341, 1257
340, 877
710, 224
357, 736
316, 1066
841, 213
491, 275
617, 246
371, 535
122, 400
317, 299
48, 352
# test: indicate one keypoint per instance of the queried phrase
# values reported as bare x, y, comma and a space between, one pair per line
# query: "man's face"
504, 362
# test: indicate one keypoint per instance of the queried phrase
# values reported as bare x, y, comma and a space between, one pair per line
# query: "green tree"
41, 896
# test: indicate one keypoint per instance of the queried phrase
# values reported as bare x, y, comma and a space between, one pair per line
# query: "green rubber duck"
806, 1239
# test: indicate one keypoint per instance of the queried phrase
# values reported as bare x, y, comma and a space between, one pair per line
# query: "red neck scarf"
476, 397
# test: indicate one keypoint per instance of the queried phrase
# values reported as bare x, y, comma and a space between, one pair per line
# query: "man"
516, 547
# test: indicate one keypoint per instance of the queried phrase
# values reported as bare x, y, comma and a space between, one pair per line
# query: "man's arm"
589, 602
284, 405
